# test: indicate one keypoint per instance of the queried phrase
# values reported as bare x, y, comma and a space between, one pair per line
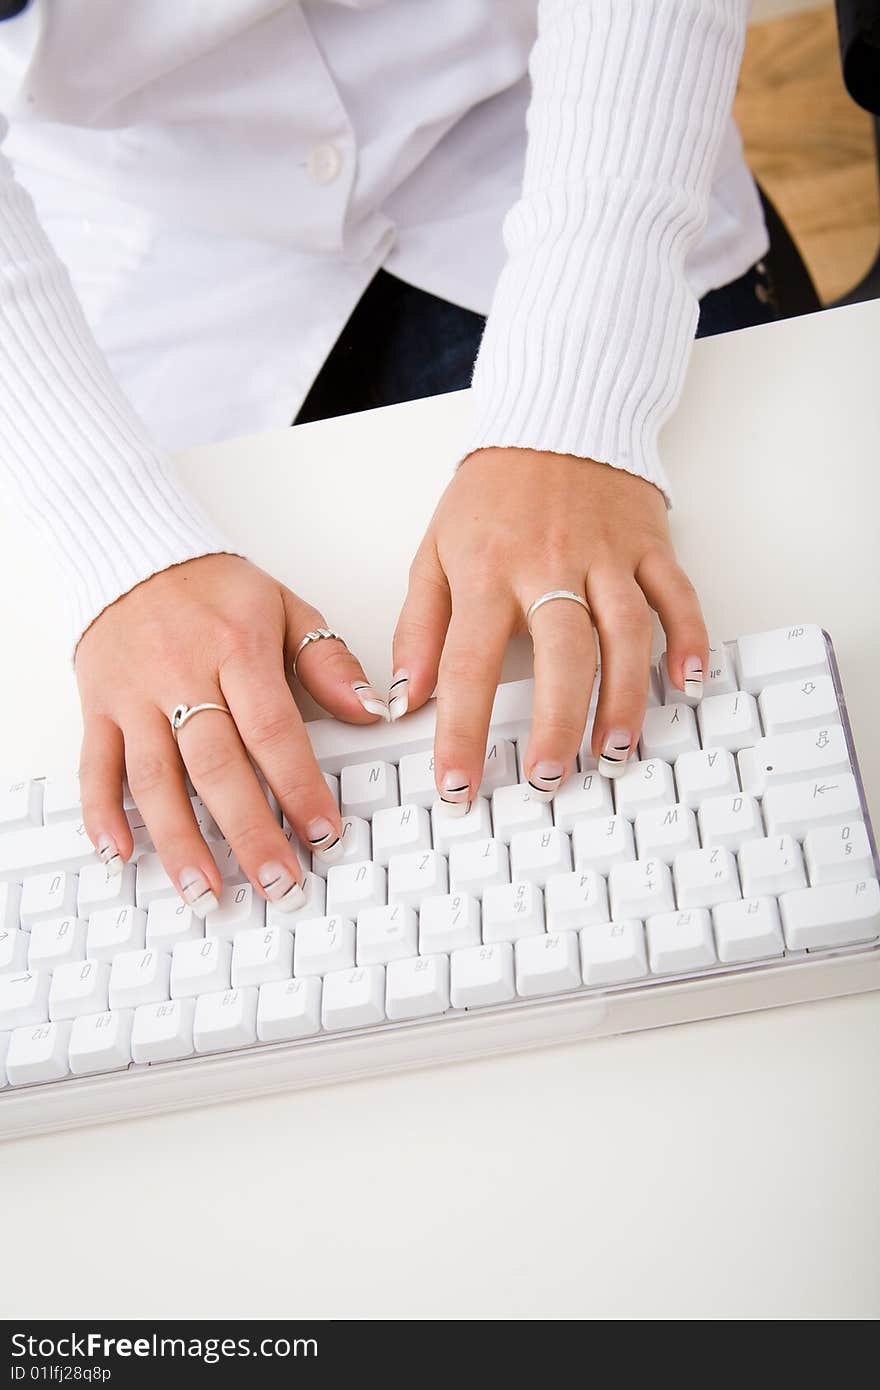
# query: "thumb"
420, 633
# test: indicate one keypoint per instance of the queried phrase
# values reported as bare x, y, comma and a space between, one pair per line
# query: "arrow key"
24, 999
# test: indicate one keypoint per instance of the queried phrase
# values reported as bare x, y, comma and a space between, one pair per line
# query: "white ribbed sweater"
587, 340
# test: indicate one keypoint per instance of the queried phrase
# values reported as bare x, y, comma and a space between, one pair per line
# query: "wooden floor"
810, 146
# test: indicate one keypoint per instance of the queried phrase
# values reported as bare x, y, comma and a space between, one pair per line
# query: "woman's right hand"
212, 629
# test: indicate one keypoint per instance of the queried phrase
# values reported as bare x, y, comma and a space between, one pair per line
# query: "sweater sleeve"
74, 456
589, 333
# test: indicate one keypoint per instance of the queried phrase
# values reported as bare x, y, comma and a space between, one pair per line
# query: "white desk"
720, 1169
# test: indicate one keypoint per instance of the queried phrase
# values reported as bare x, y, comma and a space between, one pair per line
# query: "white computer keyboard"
731, 867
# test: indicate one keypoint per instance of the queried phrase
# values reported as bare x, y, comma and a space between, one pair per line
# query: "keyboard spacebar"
64, 845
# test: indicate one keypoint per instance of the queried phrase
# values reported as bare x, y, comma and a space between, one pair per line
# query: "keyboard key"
663, 832
386, 933
729, 721
49, 848
241, 909
680, 941
449, 830
481, 975
24, 999
170, 921
598, 844
53, 943
200, 967
80, 987
314, 904
152, 882
260, 955
21, 805
644, 784
670, 694
793, 705
14, 946
289, 1009
99, 889
718, 679
575, 900
513, 809
839, 853
225, 1019
139, 977
10, 901
583, 796
163, 1032
613, 953
398, 829
100, 1042
414, 877
328, 943
711, 772
729, 820
61, 799
668, 730
354, 998
547, 964
768, 658
477, 865
512, 910
353, 887
417, 988
834, 914
791, 757
536, 855
47, 895
499, 769
356, 846
798, 807
747, 930
771, 866
38, 1054
417, 784
640, 889
115, 929
704, 877
366, 788
448, 922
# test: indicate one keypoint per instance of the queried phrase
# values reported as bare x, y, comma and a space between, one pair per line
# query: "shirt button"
325, 162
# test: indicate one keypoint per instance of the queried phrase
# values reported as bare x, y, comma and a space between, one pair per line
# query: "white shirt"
223, 182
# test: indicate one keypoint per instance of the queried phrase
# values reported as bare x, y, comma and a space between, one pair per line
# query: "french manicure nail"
280, 887
544, 780
324, 840
109, 856
615, 752
693, 677
370, 699
398, 694
197, 892
455, 794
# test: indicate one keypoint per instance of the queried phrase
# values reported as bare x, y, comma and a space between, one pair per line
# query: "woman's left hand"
512, 525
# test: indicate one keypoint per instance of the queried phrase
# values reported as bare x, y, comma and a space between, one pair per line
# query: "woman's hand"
212, 629
512, 525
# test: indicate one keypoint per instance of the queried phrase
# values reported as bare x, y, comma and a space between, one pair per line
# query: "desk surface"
723, 1169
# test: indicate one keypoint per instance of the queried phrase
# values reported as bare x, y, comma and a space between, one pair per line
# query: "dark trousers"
402, 343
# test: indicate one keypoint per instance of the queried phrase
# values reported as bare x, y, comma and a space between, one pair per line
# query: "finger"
158, 785
101, 770
669, 591
565, 668
327, 669
624, 624
274, 734
469, 670
223, 776
420, 633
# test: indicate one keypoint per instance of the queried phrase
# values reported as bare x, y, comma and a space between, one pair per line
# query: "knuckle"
148, 773
267, 726
558, 725
209, 761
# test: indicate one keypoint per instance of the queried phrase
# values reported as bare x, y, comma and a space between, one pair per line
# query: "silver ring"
549, 597
182, 713
316, 636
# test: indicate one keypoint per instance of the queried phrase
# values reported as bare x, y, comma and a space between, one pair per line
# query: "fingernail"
280, 887
544, 780
370, 699
109, 855
455, 794
693, 677
615, 752
398, 694
197, 892
324, 840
